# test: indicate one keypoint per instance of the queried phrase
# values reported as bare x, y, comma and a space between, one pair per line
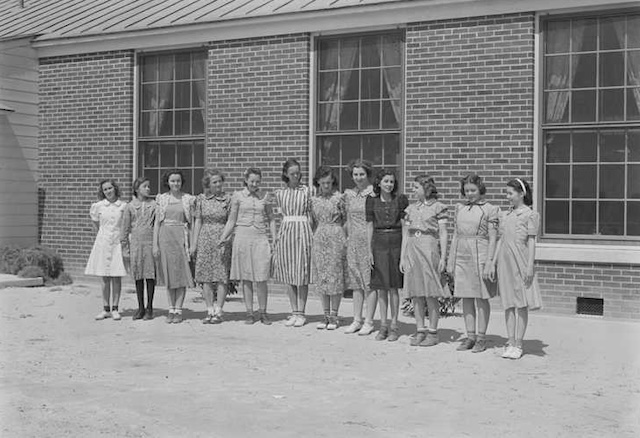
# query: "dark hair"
137, 183
324, 171
113, 183
516, 184
363, 164
168, 173
208, 175
251, 171
428, 185
285, 168
380, 176
474, 179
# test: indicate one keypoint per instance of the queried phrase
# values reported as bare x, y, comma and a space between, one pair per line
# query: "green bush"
31, 271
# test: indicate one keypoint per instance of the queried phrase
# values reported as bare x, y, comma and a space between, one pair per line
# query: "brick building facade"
442, 92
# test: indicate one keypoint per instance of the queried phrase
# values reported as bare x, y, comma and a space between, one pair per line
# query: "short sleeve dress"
329, 248
386, 242
358, 264
213, 261
512, 259
105, 259
174, 217
469, 249
137, 238
422, 250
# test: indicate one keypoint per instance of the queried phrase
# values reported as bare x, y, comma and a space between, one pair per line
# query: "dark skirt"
385, 273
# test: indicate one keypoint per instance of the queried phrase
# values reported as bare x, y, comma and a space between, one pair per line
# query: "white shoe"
366, 329
323, 324
333, 323
116, 316
508, 351
102, 315
291, 320
300, 321
516, 353
354, 327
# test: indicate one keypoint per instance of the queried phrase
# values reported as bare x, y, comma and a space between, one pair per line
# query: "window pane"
329, 151
167, 155
391, 145
633, 32
633, 103
345, 179
584, 75
585, 146
149, 96
349, 85
557, 182
370, 87
370, 115
633, 144
612, 146
611, 69
612, 181
558, 36
611, 218
199, 66
392, 83
392, 50
182, 122
150, 154
197, 180
556, 217
198, 94
584, 35
371, 51
149, 124
197, 122
349, 116
557, 72
612, 104
558, 147
583, 217
188, 185
165, 68
372, 148
391, 114
633, 181
350, 148
183, 66
583, 106
165, 95
612, 33
149, 68
198, 153
184, 154
328, 116
165, 122
183, 94
584, 180
556, 106
633, 218
349, 53
154, 179
328, 83
328, 51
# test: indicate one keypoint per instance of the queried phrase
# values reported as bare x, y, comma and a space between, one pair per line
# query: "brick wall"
469, 101
86, 134
258, 114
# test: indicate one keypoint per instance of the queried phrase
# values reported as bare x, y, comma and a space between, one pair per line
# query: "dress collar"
518, 211
220, 197
117, 202
364, 192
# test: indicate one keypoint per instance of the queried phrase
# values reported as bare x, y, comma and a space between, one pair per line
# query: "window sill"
564, 252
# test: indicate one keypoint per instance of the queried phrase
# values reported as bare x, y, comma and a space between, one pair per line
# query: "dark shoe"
216, 319
177, 318
139, 314
417, 339
393, 334
169, 319
430, 341
264, 319
481, 345
148, 315
250, 319
467, 344
207, 319
382, 333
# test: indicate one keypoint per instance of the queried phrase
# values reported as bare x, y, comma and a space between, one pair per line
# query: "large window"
359, 101
591, 127
172, 117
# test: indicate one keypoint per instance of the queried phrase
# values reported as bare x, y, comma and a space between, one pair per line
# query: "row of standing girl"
369, 240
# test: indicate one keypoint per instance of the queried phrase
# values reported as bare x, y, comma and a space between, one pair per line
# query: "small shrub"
31, 271
47, 259
10, 259
62, 280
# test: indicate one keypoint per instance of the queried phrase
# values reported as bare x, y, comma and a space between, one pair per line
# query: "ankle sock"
107, 309
432, 332
114, 308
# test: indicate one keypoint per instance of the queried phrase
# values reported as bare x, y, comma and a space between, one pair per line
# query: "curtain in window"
335, 91
165, 98
393, 76
560, 75
633, 58
200, 88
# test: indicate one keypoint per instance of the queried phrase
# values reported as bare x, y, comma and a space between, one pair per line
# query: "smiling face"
418, 191
253, 182
360, 177
109, 191
387, 184
216, 185
175, 182
144, 190
293, 173
326, 185
515, 197
472, 192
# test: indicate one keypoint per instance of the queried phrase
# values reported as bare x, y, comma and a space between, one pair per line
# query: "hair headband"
524, 189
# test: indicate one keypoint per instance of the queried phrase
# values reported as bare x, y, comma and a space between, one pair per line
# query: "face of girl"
472, 192
514, 197
359, 176
253, 182
109, 191
144, 190
293, 173
326, 185
387, 184
418, 191
175, 182
216, 184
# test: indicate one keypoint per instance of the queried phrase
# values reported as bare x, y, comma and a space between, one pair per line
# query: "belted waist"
419, 233
174, 223
295, 219
387, 230
473, 237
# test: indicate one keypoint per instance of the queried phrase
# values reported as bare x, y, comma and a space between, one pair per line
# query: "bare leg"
222, 296
303, 293
116, 288
394, 305
469, 313
383, 301
207, 294
106, 292
335, 304
262, 295
326, 304
523, 319
434, 312
510, 320
181, 293
247, 293
484, 312
418, 313
358, 302
292, 291
371, 300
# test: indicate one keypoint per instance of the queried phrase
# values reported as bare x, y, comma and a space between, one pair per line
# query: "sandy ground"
64, 374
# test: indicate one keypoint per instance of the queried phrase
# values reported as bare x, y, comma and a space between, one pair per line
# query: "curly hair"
522, 186
208, 176
115, 185
324, 171
362, 164
428, 185
474, 179
167, 175
137, 183
380, 176
251, 171
285, 168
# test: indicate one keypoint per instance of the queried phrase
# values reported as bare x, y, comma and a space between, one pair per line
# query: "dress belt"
473, 237
387, 230
419, 233
295, 219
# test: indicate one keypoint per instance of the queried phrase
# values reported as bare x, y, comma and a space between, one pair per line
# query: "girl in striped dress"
292, 249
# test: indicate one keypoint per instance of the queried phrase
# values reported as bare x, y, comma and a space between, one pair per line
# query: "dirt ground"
64, 374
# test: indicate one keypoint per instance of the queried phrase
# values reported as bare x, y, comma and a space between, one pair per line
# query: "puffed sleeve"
442, 212
369, 204
493, 217
403, 203
533, 224
160, 209
95, 211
